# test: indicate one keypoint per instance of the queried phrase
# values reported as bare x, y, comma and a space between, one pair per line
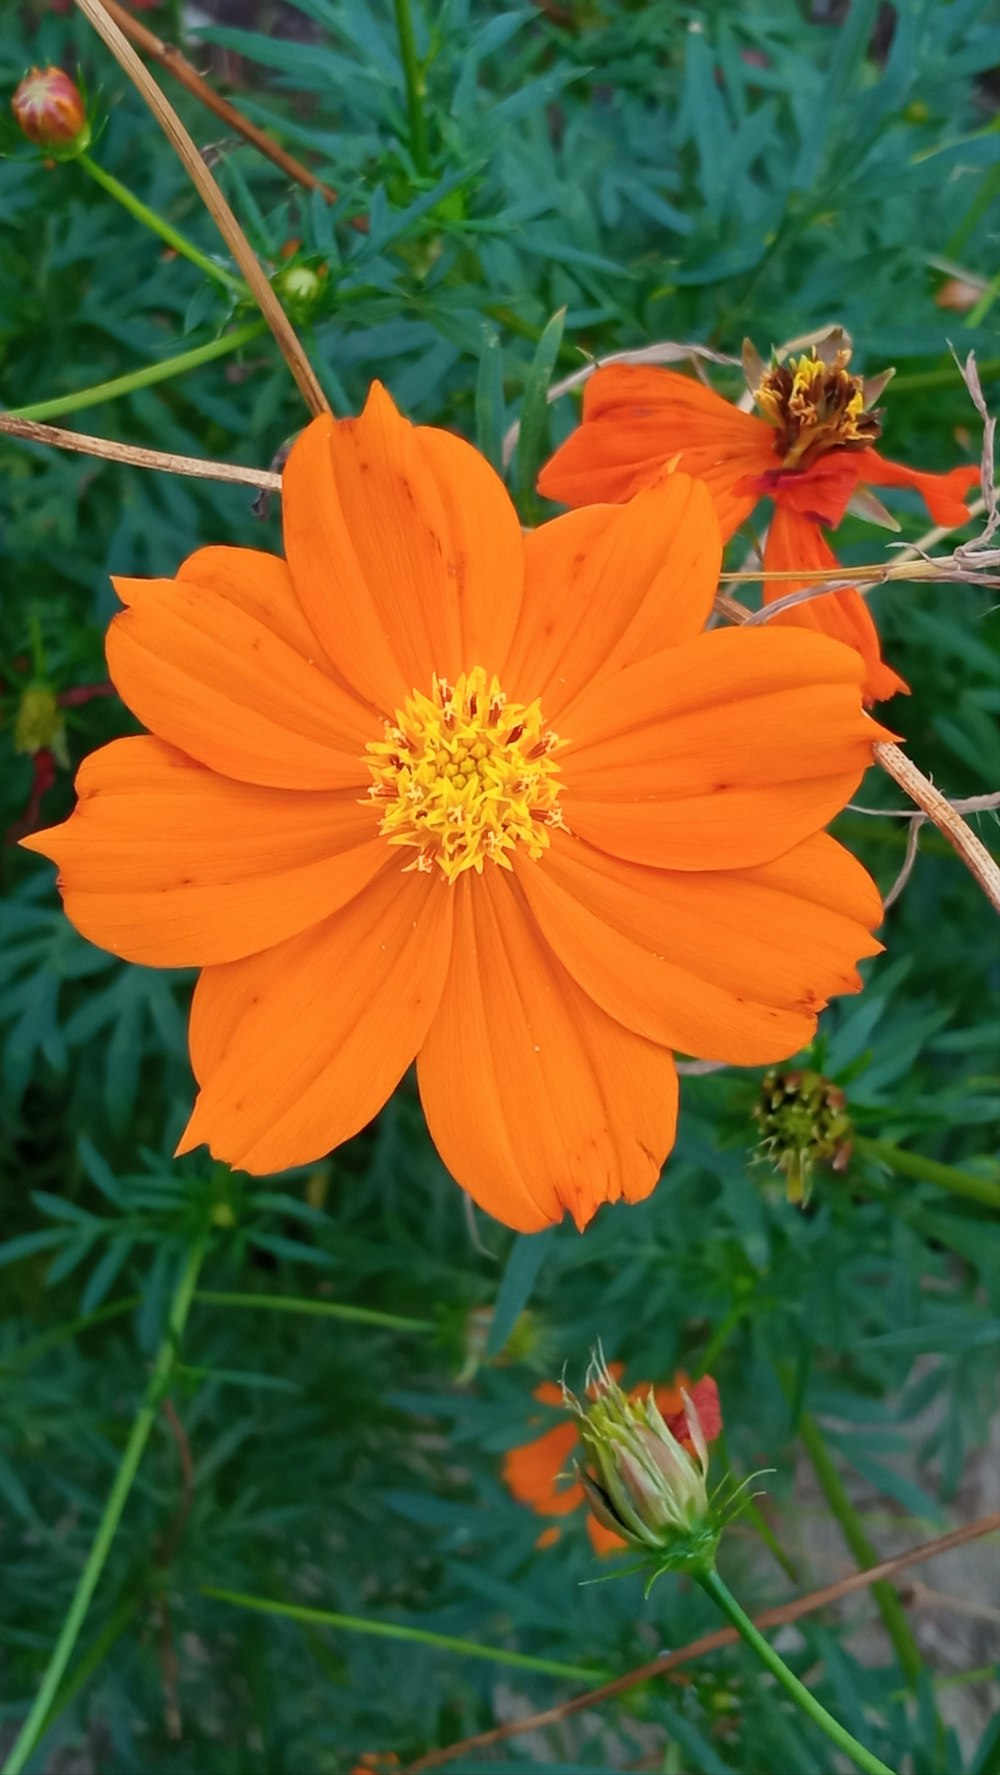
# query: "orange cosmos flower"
539, 1472
436, 789
810, 453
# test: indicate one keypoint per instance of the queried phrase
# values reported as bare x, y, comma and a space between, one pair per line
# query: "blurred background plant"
517, 190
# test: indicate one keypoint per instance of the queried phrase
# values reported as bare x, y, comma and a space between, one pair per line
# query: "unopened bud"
640, 1482
50, 111
39, 725
804, 1122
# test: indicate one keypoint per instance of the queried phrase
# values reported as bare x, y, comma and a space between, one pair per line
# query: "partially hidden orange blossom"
541, 1472
811, 452
437, 790
49, 109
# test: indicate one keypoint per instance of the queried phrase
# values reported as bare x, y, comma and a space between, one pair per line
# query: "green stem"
886, 1596
61, 1334
128, 1466
838, 1734
322, 1309
977, 315
414, 87
422, 1636
159, 225
941, 378
144, 378
961, 1183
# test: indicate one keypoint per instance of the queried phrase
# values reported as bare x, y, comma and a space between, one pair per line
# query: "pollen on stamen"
464, 777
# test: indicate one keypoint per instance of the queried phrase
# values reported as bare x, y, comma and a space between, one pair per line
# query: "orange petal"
532, 1472
216, 676
942, 494
603, 1540
298, 1048
729, 966
405, 550
608, 585
720, 753
166, 863
536, 1101
796, 542
635, 419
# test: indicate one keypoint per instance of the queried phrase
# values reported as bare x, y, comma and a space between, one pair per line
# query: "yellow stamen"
464, 776
816, 406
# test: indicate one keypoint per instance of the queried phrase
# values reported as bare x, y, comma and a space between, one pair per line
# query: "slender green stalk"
151, 219
838, 1734
941, 378
422, 1636
414, 87
144, 378
961, 1183
321, 1309
61, 1334
886, 1596
128, 1466
977, 315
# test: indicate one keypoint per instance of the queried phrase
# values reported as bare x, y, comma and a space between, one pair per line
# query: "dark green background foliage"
658, 172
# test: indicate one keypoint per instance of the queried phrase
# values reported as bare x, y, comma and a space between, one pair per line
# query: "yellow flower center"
464, 776
814, 406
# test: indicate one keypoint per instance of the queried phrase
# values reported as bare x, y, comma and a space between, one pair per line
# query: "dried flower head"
50, 110
804, 1122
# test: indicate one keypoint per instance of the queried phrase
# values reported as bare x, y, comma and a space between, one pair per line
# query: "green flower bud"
640, 1482
39, 724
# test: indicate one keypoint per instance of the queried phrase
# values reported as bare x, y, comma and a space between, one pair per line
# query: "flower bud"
804, 1123
49, 108
39, 725
640, 1482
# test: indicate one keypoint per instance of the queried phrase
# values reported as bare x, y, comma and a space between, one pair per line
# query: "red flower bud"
49, 108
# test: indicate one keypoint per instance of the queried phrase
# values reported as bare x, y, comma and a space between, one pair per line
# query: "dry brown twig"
177, 64
136, 455
256, 278
710, 1642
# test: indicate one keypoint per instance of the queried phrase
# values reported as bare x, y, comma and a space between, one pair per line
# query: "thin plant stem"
907, 1164
258, 284
158, 224
414, 87
322, 1309
128, 1466
421, 1636
886, 1596
722, 1596
958, 832
663, 1666
144, 378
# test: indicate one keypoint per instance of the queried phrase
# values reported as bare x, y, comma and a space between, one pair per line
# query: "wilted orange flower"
436, 789
539, 1473
810, 453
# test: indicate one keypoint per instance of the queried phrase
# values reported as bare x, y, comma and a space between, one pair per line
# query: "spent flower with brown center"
804, 1122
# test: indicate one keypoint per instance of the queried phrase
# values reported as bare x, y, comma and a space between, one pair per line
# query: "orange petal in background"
535, 1099
610, 584
943, 495
795, 542
208, 676
405, 550
730, 966
720, 753
296, 1049
636, 419
166, 863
